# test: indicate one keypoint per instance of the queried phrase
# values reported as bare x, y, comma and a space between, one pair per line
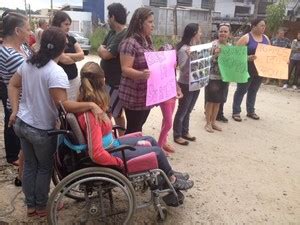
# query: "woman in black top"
72, 54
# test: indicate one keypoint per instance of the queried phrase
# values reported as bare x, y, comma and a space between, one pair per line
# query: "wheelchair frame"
85, 173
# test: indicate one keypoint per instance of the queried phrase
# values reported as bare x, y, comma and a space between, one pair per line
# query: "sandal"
216, 127
189, 137
182, 176
208, 128
41, 213
237, 117
253, 116
168, 148
31, 212
180, 141
15, 163
183, 184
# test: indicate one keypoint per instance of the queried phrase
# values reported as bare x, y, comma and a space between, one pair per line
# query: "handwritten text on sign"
199, 66
272, 61
233, 64
161, 85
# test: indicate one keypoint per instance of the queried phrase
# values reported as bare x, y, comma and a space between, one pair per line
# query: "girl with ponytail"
99, 134
43, 85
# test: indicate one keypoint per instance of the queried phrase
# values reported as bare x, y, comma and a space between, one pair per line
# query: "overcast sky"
37, 4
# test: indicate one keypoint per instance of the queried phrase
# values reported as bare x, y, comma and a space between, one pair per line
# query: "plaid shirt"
132, 93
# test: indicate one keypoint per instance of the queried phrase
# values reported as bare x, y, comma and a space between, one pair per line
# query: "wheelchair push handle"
57, 132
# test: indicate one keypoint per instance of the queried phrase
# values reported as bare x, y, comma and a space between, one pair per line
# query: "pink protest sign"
161, 84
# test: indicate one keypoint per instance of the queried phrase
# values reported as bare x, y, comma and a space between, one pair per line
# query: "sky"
37, 4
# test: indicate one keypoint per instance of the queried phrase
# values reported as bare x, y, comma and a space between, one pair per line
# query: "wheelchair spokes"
108, 199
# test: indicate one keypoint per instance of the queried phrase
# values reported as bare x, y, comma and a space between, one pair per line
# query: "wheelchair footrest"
171, 200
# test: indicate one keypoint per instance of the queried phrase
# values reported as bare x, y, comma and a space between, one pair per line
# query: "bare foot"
208, 128
216, 127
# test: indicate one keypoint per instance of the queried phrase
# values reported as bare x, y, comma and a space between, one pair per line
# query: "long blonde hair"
92, 88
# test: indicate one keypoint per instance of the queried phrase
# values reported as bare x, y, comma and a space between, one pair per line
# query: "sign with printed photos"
200, 56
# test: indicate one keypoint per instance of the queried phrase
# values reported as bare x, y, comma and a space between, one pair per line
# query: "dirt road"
248, 173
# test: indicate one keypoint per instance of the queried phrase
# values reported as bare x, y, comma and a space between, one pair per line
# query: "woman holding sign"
191, 36
216, 91
251, 40
135, 72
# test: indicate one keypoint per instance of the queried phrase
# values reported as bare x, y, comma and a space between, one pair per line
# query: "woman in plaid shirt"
133, 86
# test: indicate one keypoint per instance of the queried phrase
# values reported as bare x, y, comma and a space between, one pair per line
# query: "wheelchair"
88, 193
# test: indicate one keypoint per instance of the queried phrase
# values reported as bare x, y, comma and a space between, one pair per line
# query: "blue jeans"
163, 162
251, 88
38, 149
185, 106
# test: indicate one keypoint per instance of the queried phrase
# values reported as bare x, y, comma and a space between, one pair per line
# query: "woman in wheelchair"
99, 134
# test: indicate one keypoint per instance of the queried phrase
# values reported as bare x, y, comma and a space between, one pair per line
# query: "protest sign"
199, 66
233, 64
272, 61
161, 85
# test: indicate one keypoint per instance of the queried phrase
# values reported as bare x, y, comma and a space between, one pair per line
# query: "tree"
275, 15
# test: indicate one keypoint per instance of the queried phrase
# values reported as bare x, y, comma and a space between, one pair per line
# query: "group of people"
35, 81
294, 64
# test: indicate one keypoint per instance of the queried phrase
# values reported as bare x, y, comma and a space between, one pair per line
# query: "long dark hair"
255, 22
9, 22
60, 17
189, 32
139, 16
53, 43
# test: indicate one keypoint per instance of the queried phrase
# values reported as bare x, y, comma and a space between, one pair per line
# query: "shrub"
97, 37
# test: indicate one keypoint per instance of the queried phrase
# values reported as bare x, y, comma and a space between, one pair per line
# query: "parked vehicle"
83, 41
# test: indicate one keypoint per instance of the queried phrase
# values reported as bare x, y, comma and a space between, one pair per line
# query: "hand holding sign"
272, 61
161, 84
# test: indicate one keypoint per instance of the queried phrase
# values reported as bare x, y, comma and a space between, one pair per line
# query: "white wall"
81, 21
227, 7
130, 5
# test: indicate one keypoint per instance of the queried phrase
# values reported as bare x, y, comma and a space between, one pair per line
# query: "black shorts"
216, 91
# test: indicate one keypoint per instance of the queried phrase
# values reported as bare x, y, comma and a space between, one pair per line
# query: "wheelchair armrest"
57, 132
121, 148
117, 127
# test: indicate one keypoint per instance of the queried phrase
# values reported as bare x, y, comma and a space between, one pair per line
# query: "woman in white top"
43, 85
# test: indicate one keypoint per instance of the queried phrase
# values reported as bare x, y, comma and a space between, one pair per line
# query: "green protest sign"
233, 64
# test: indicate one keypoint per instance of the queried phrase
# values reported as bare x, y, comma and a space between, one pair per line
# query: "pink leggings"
167, 109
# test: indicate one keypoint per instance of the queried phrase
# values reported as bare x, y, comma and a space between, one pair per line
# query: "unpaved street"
248, 173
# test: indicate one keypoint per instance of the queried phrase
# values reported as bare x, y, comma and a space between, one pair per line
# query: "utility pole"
255, 13
175, 20
25, 7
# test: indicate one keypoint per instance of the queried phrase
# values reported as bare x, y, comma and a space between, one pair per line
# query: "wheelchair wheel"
73, 193
109, 198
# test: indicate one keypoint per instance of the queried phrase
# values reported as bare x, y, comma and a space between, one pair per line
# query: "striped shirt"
10, 60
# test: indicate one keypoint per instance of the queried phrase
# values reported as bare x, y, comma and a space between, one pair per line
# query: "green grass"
97, 37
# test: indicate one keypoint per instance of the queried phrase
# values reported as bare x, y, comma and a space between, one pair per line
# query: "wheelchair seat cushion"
142, 163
